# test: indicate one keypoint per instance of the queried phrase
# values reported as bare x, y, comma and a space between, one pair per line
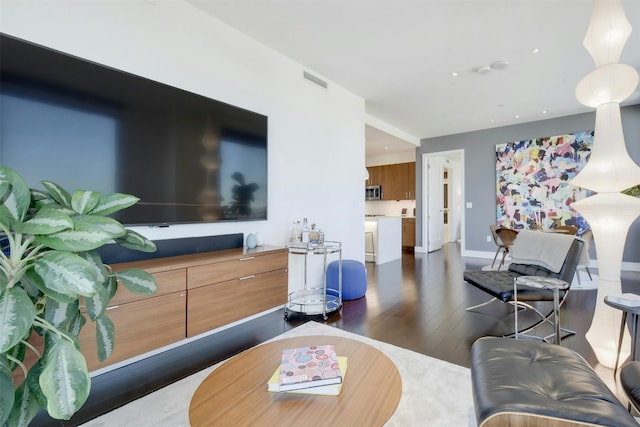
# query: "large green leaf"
5, 189
67, 273
6, 389
33, 383
106, 224
59, 194
110, 203
32, 279
97, 304
84, 237
105, 337
48, 204
14, 204
138, 281
64, 380
76, 324
47, 221
25, 407
112, 285
60, 314
83, 201
93, 257
136, 241
16, 316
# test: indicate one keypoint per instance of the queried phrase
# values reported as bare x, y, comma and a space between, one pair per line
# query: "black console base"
113, 253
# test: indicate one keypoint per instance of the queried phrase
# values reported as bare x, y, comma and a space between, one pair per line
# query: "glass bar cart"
316, 299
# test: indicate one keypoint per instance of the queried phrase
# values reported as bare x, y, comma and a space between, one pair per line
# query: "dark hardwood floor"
418, 303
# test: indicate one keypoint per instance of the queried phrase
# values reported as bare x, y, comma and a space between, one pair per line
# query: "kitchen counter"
384, 244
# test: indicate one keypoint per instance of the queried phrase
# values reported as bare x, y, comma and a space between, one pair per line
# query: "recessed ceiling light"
534, 51
544, 111
386, 148
455, 74
517, 116
491, 120
500, 65
483, 69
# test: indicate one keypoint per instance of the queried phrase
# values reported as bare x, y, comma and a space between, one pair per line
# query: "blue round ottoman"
354, 278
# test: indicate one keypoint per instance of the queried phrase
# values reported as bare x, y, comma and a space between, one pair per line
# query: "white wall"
389, 159
316, 136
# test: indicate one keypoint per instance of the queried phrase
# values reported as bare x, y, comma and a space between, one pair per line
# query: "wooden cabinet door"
375, 175
411, 178
212, 306
141, 326
408, 232
398, 181
395, 182
389, 190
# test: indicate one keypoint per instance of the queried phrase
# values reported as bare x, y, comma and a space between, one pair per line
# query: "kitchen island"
383, 238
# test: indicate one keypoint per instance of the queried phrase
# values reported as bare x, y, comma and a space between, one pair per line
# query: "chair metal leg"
482, 304
543, 319
588, 272
623, 324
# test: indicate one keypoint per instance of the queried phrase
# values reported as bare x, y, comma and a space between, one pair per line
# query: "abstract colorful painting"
532, 181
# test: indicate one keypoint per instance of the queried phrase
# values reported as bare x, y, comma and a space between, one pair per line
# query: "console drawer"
234, 269
212, 306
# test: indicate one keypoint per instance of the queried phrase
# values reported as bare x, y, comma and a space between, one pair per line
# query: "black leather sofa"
533, 383
630, 380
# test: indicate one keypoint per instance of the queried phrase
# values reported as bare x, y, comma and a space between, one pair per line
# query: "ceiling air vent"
314, 79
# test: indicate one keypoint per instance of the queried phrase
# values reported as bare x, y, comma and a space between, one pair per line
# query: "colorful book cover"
325, 390
311, 366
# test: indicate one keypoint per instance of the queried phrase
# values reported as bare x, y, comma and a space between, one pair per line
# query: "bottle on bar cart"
305, 231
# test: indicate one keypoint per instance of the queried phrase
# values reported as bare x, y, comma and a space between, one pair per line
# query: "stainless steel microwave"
373, 192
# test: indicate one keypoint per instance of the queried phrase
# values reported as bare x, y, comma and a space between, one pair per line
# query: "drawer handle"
247, 258
248, 277
113, 307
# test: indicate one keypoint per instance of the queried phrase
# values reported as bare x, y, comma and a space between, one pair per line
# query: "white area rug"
434, 393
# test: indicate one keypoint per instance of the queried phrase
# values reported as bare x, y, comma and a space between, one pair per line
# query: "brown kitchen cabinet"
411, 183
375, 175
398, 181
408, 233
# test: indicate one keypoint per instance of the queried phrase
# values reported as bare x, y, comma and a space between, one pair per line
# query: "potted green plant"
51, 280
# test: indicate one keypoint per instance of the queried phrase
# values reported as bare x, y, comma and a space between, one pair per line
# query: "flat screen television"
82, 125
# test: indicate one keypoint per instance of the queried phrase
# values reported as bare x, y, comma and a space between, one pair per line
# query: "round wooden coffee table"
236, 392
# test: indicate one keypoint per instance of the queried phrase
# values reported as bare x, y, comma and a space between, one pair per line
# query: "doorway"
435, 207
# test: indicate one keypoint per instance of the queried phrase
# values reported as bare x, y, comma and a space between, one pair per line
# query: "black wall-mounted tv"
82, 125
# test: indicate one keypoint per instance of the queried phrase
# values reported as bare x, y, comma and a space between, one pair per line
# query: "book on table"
307, 367
325, 390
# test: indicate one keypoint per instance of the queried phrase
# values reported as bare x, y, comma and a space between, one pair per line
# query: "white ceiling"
399, 55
